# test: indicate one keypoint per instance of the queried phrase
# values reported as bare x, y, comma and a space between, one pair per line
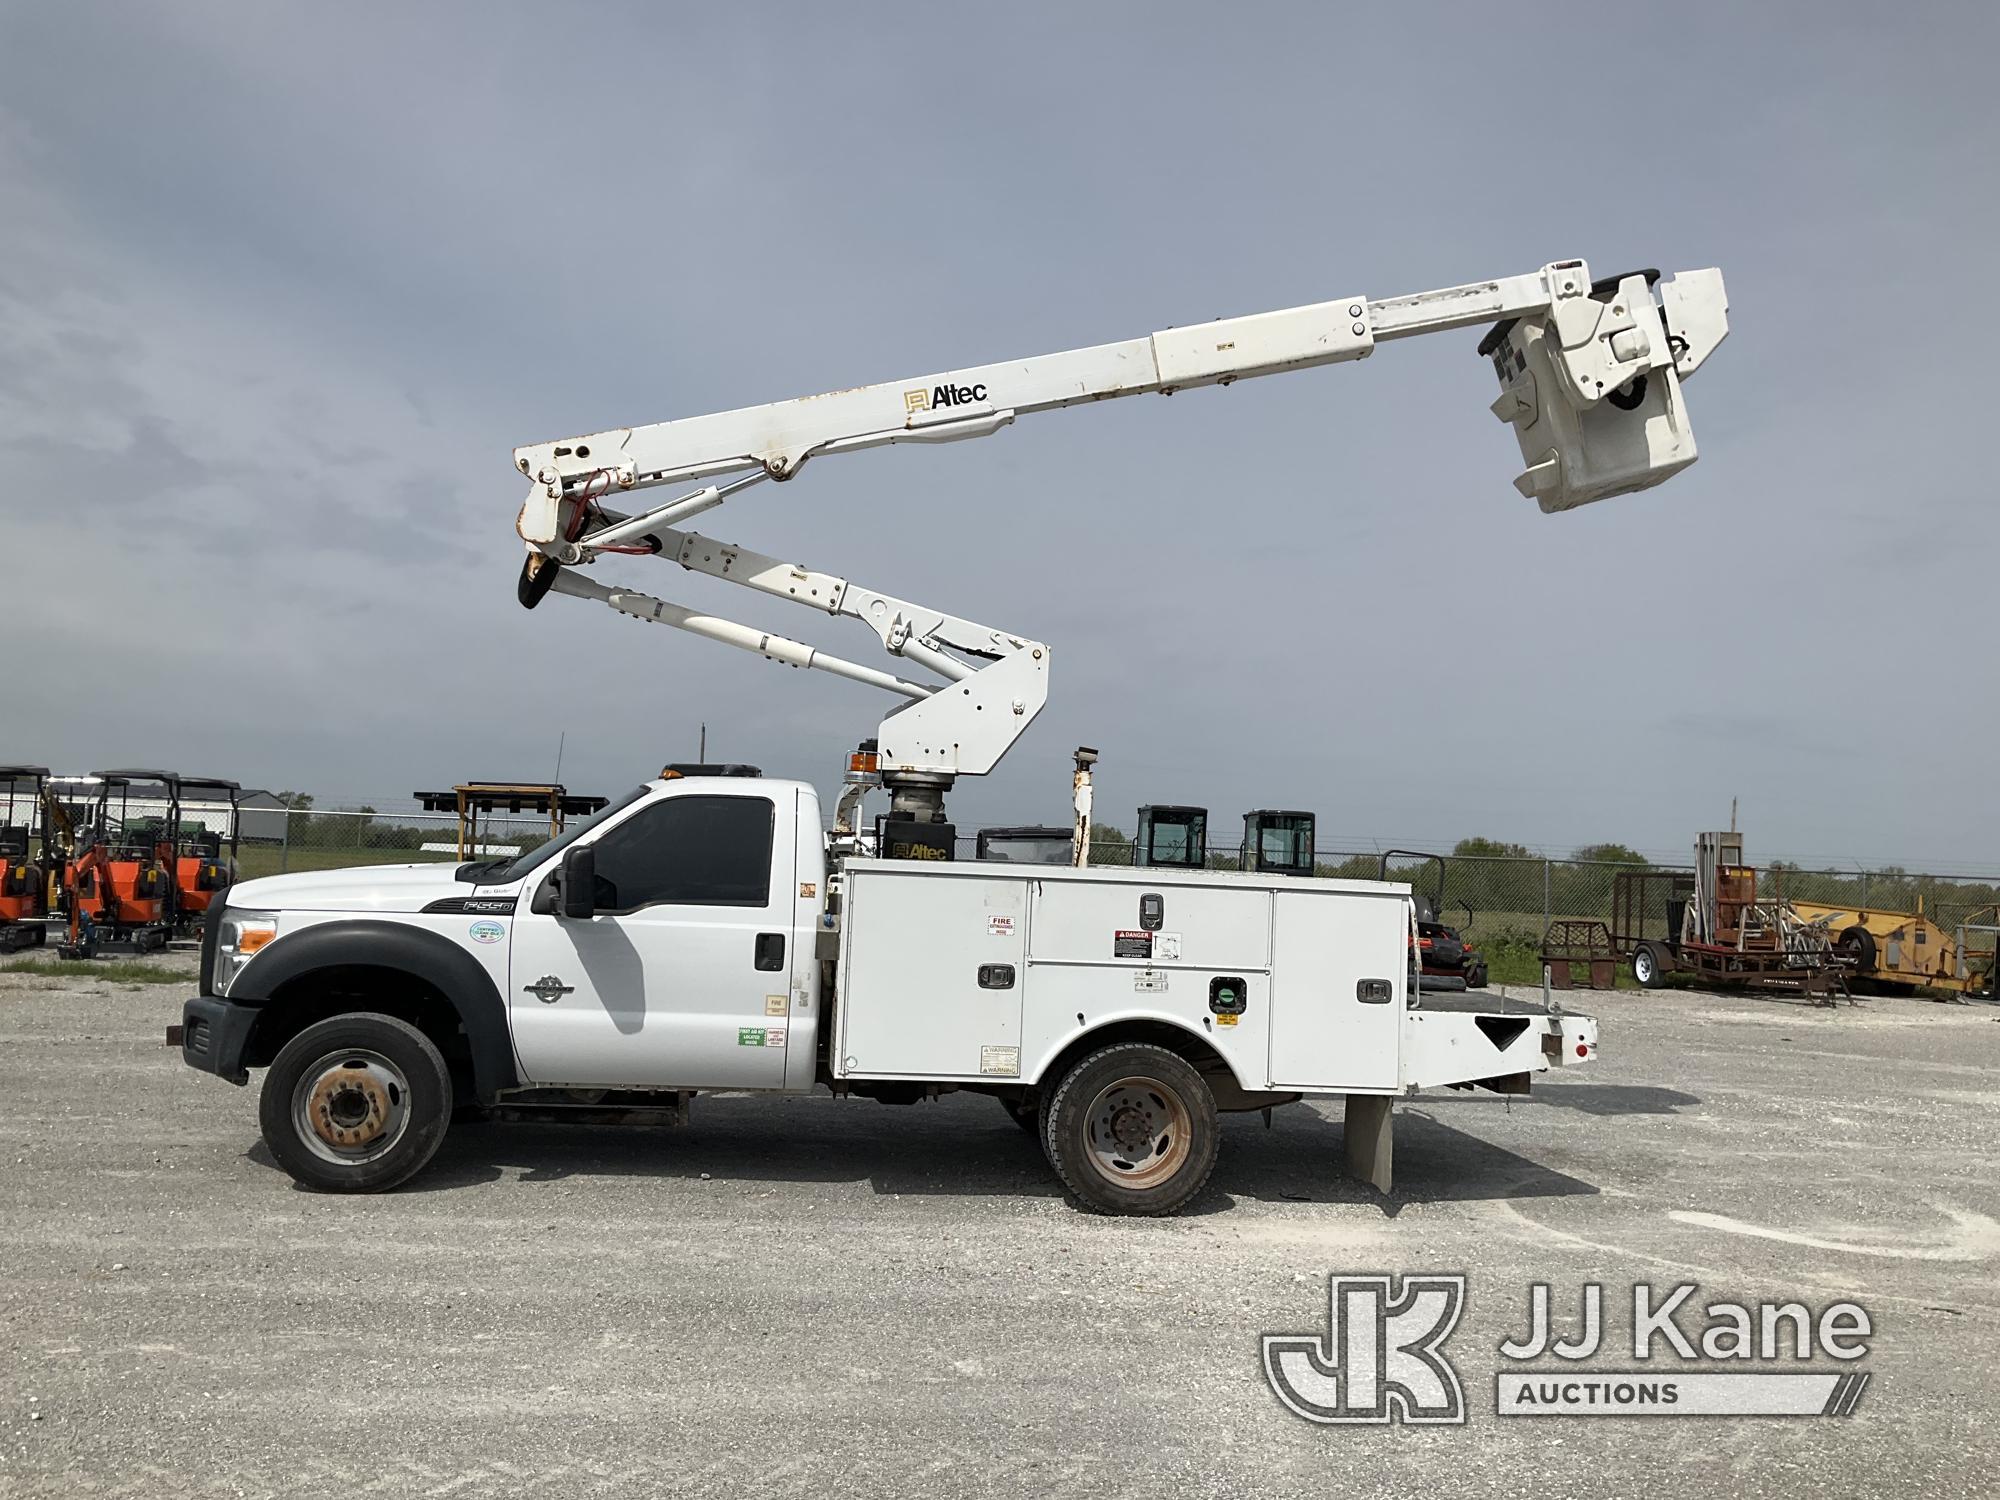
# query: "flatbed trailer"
1649, 927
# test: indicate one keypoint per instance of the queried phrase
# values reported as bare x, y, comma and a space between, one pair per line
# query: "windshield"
501, 872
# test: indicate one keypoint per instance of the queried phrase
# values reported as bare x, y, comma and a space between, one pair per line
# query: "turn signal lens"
250, 939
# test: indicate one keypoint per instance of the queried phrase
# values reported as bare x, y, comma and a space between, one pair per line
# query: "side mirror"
579, 882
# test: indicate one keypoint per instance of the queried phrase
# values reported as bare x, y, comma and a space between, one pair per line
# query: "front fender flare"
415, 951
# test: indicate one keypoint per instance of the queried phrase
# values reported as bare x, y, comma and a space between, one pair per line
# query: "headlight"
241, 935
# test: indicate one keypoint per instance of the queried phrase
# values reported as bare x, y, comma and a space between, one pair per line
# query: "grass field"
253, 860
112, 971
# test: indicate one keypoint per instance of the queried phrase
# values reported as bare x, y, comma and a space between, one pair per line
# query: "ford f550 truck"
703, 935
691, 939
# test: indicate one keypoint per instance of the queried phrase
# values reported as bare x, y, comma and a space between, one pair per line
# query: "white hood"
362, 888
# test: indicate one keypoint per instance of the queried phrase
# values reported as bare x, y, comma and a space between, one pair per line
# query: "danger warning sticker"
1126, 944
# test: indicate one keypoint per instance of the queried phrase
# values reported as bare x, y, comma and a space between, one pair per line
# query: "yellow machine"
1908, 948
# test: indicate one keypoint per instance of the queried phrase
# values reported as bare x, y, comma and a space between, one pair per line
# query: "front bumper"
214, 1036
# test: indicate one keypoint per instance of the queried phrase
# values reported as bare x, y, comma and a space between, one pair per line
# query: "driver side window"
688, 851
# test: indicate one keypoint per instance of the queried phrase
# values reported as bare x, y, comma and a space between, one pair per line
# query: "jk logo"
1381, 1358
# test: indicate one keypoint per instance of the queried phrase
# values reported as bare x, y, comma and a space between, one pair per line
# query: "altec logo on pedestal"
1382, 1358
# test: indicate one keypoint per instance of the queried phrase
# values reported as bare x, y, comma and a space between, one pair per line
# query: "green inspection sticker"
750, 1036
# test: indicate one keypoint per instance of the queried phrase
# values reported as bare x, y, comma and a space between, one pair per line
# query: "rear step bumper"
1443, 1047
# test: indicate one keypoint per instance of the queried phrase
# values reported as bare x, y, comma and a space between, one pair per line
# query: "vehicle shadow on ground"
967, 1147
1298, 1160
1585, 1098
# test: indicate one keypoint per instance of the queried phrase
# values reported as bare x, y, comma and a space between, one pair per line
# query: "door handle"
771, 951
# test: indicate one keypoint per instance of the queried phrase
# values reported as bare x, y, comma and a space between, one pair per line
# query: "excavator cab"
119, 875
1278, 843
204, 818
23, 882
1037, 845
1172, 838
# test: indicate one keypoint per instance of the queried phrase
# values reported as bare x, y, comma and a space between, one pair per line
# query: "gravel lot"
841, 1296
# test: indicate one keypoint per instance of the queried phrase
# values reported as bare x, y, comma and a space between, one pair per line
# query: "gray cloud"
281, 287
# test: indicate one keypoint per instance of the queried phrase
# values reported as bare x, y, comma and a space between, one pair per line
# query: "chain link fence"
328, 840
1503, 902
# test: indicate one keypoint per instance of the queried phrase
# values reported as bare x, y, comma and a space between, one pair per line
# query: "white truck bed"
986, 973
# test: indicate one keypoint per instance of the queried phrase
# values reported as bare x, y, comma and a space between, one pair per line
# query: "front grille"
211, 934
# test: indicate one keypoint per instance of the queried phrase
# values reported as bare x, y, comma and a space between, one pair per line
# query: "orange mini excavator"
203, 817
119, 877
23, 881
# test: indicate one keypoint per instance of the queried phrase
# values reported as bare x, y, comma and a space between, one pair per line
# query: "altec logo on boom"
922, 399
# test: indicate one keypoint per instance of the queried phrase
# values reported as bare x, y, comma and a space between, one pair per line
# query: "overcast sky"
282, 286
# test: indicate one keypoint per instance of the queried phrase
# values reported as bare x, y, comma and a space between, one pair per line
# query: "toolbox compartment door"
1327, 951
931, 976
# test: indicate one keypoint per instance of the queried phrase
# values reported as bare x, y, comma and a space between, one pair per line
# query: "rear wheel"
1131, 1130
356, 1104
1646, 968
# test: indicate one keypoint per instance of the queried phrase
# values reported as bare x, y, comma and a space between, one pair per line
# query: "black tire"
356, 1104
1131, 1130
1646, 967
1857, 944
1475, 977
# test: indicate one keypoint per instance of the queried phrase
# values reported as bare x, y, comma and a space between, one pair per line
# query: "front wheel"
356, 1104
1131, 1130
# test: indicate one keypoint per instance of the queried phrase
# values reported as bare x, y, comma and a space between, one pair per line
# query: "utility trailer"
1712, 924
